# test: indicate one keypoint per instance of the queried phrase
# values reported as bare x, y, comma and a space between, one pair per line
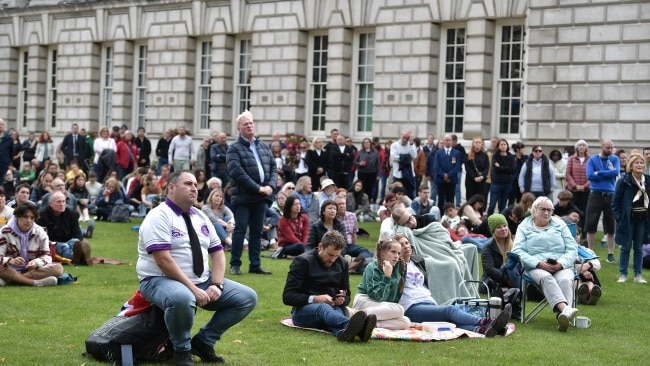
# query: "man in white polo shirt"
174, 274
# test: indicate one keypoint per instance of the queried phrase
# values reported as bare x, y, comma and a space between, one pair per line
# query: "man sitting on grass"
62, 226
318, 289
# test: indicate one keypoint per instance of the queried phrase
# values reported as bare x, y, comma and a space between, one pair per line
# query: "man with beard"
602, 171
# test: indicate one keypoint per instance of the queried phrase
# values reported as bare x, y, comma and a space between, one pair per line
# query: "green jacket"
379, 287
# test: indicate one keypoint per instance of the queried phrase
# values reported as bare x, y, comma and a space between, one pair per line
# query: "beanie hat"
496, 220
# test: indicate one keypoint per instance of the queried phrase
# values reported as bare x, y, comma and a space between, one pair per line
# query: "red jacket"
122, 155
293, 231
576, 174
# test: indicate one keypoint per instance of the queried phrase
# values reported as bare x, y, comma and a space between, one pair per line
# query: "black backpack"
126, 339
120, 213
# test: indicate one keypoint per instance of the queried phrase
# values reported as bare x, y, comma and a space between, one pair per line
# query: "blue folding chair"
514, 261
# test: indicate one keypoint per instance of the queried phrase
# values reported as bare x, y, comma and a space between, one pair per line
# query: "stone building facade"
543, 71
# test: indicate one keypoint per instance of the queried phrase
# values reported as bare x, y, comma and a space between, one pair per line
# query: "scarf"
24, 240
641, 191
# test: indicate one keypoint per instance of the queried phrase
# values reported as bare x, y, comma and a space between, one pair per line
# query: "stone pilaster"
170, 85
277, 80
339, 69
221, 98
78, 84
479, 63
124, 80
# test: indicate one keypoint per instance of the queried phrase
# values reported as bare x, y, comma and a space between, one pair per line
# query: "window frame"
23, 88
203, 85
312, 85
140, 88
357, 85
498, 82
51, 87
237, 85
107, 80
444, 99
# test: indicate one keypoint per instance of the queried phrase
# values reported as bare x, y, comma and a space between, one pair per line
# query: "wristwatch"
219, 285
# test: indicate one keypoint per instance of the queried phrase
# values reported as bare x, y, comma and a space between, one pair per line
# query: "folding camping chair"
526, 281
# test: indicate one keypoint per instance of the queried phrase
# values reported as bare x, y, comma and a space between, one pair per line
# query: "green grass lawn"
48, 326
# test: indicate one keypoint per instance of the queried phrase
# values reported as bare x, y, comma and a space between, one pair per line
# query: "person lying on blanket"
421, 307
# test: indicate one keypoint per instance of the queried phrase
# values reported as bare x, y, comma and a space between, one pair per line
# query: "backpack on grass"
126, 339
120, 213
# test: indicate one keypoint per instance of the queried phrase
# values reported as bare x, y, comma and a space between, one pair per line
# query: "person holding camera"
318, 290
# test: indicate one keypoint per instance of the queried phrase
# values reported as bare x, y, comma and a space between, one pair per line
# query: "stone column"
123, 81
479, 63
36, 100
78, 85
406, 76
223, 74
170, 83
278, 81
339, 69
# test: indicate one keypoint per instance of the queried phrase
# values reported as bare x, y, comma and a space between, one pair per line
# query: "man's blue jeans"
64, 249
179, 304
321, 316
248, 216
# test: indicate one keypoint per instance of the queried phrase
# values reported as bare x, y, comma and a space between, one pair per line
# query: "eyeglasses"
544, 209
537, 150
291, 188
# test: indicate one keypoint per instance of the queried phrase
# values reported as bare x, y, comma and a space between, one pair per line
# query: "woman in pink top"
576, 175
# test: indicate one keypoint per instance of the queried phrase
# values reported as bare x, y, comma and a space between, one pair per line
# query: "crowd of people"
304, 202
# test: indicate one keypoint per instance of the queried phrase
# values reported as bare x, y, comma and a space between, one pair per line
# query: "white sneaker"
566, 318
622, 278
639, 279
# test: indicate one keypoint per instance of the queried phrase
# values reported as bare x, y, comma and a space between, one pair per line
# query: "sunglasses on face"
537, 151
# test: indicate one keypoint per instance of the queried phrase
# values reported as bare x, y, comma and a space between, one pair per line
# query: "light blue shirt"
253, 147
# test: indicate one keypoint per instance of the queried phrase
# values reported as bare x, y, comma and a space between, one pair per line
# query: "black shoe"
278, 253
89, 229
355, 324
259, 270
368, 326
498, 325
183, 358
234, 270
205, 352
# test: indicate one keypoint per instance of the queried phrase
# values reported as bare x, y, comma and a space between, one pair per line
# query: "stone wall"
587, 64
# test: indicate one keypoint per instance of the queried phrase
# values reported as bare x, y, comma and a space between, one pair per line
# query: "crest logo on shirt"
204, 230
176, 233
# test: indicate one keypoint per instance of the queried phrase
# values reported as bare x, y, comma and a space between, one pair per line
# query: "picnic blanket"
413, 334
448, 263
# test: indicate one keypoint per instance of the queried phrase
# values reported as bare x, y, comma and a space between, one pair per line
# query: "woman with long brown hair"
477, 169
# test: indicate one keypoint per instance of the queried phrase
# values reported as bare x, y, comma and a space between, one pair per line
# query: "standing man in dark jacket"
447, 165
144, 145
162, 150
341, 158
74, 147
6, 150
218, 152
253, 178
